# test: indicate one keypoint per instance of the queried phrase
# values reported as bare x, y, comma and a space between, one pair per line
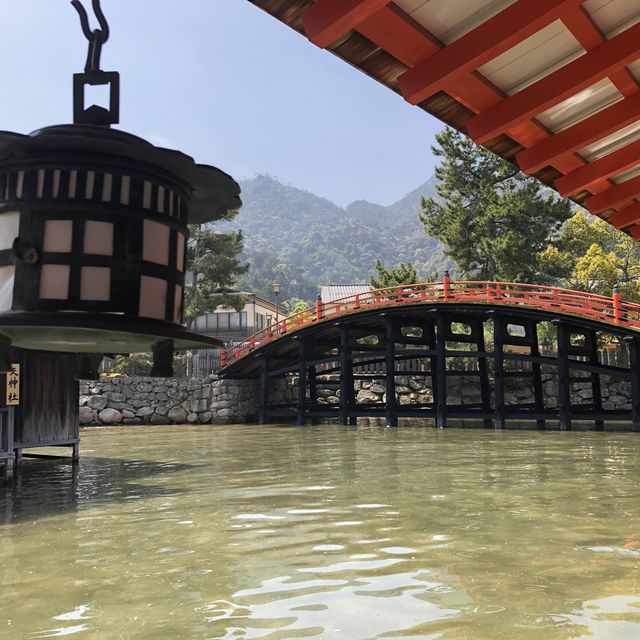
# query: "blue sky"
227, 84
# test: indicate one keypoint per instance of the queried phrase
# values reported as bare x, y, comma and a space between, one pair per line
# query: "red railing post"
617, 299
319, 308
446, 285
223, 358
357, 301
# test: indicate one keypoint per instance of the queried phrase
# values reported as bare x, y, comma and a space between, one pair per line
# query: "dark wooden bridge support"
440, 382
596, 387
347, 395
263, 401
391, 406
564, 384
303, 359
536, 373
498, 372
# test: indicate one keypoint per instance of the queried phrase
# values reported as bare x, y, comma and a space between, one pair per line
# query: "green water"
326, 532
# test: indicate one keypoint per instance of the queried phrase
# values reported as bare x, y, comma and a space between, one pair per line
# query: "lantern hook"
97, 37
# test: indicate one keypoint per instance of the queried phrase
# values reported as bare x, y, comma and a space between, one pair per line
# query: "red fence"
610, 310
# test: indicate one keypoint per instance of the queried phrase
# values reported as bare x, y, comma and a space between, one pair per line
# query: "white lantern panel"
153, 297
54, 281
98, 238
7, 277
180, 252
57, 236
95, 283
9, 228
155, 243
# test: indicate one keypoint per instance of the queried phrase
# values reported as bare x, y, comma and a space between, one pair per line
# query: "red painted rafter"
625, 217
557, 86
328, 20
580, 135
484, 43
613, 197
600, 169
589, 36
405, 39
398, 34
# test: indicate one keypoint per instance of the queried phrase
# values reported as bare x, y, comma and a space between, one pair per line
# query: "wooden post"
391, 408
564, 385
7, 443
264, 391
617, 299
313, 392
446, 285
485, 389
441, 372
346, 375
596, 388
634, 370
538, 390
302, 380
498, 372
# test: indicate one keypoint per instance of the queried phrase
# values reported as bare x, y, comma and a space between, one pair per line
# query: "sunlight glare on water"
325, 532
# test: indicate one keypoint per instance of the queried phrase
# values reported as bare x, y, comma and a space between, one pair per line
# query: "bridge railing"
607, 309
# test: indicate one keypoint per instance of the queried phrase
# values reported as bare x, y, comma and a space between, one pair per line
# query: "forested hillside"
302, 241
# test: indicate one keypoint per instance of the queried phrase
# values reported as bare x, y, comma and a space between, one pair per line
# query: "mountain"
302, 240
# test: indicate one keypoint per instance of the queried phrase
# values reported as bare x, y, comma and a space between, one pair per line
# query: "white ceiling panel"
448, 20
627, 175
578, 107
613, 16
533, 58
616, 140
634, 67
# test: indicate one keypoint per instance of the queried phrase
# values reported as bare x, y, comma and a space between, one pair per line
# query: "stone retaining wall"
124, 400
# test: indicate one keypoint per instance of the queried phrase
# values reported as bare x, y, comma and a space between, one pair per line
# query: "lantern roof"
213, 193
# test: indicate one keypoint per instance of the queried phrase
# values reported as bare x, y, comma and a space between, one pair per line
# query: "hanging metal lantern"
93, 230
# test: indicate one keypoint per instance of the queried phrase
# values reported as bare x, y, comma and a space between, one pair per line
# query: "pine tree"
213, 264
402, 274
492, 219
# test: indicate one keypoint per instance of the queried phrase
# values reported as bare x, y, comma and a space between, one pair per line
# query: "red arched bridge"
495, 334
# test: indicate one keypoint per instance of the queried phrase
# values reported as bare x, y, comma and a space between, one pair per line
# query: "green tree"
492, 219
213, 264
591, 255
402, 274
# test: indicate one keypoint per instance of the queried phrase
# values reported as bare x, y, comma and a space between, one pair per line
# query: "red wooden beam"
600, 169
398, 34
328, 20
613, 197
408, 41
557, 86
580, 135
625, 217
484, 43
585, 31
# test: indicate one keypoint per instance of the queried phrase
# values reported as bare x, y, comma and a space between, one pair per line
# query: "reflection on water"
326, 532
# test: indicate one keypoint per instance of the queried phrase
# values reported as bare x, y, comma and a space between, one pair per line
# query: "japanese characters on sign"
13, 386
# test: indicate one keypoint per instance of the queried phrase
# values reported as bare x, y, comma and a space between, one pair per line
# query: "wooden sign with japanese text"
12, 390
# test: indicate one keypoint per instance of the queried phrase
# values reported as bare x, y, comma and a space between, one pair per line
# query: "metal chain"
97, 37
